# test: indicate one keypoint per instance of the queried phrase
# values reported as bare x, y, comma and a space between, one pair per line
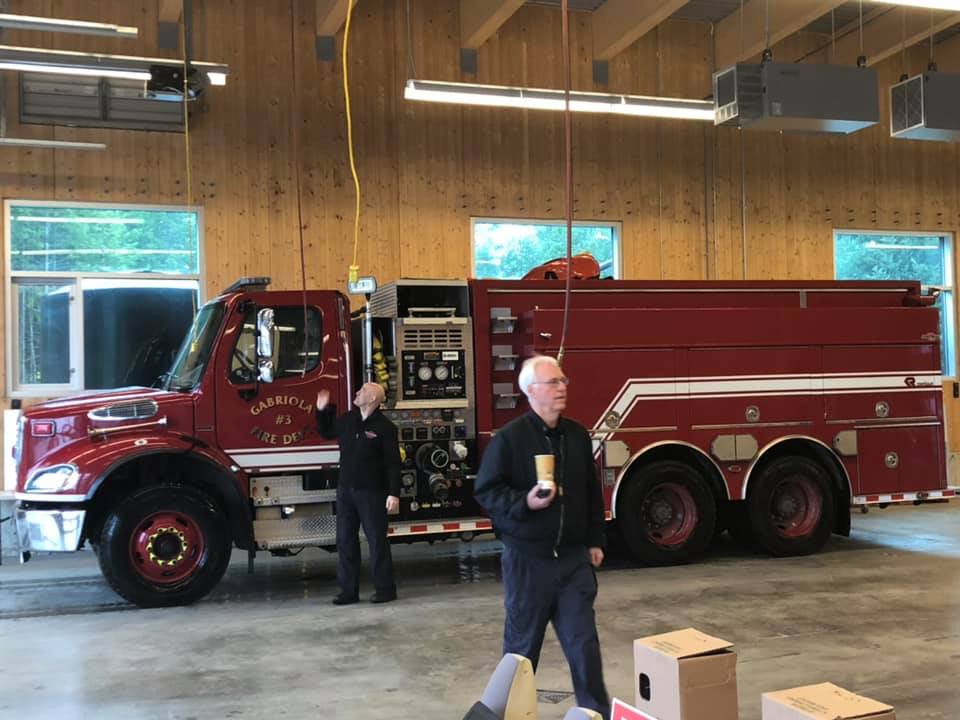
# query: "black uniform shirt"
369, 450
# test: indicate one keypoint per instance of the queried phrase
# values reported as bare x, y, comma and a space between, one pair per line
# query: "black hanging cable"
903, 45
833, 35
188, 165
932, 65
294, 122
568, 166
411, 66
767, 55
741, 29
861, 59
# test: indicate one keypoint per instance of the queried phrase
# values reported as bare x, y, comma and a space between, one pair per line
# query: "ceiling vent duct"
926, 107
795, 97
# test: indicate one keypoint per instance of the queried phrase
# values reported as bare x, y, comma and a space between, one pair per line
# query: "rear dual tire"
667, 514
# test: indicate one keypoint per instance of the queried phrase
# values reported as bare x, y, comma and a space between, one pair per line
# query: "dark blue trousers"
369, 509
561, 591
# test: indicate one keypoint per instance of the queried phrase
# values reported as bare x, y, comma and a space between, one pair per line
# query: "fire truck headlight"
56, 479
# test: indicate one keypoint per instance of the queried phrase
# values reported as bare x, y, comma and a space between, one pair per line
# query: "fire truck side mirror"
265, 330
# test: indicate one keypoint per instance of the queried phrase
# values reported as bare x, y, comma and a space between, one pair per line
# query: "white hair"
528, 371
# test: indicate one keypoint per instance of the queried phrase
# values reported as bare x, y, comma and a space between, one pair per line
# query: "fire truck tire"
164, 546
792, 507
667, 514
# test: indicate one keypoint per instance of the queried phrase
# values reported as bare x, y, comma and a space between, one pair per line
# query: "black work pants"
369, 509
561, 591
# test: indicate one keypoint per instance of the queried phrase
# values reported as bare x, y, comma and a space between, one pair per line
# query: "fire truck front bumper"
42, 529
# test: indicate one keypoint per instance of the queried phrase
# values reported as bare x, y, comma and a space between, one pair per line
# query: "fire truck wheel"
164, 546
667, 514
791, 507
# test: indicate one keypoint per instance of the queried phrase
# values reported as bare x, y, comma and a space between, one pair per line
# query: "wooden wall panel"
268, 156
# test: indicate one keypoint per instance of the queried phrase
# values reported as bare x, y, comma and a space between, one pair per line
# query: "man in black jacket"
551, 544
368, 489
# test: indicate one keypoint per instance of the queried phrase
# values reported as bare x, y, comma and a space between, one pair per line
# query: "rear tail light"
43, 428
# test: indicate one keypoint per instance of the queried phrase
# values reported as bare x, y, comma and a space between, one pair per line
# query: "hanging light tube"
63, 62
537, 99
67, 62
78, 27
50, 144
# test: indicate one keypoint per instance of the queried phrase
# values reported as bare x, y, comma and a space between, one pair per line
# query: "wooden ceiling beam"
617, 24
331, 14
480, 19
887, 32
169, 11
786, 18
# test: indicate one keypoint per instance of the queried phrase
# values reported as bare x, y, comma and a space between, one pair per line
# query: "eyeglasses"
553, 382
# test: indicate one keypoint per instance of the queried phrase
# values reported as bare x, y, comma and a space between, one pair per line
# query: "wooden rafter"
785, 19
887, 32
169, 11
331, 14
479, 19
617, 24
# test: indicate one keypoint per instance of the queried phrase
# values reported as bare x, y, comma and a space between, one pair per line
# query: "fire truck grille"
433, 338
137, 410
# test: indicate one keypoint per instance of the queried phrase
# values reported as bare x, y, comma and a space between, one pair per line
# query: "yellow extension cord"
354, 267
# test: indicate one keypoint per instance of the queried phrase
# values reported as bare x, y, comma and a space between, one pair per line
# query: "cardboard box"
685, 675
825, 701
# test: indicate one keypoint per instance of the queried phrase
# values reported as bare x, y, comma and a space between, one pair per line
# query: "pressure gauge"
424, 373
441, 372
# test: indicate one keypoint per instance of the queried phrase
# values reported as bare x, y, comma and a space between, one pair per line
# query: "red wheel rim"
669, 514
166, 547
796, 507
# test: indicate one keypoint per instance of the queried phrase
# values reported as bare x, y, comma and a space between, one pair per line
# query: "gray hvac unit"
796, 97
926, 107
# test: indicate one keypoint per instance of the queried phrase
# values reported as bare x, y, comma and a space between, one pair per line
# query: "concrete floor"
878, 613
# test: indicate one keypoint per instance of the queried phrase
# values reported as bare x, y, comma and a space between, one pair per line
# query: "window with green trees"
508, 249
927, 257
100, 295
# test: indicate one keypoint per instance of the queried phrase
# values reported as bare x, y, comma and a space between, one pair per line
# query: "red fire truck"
766, 408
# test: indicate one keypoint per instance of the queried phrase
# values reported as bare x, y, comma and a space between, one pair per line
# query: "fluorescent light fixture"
101, 251
50, 144
81, 220
67, 70
63, 62
537, 99
928, 4
67, 62
874, 245
78, 27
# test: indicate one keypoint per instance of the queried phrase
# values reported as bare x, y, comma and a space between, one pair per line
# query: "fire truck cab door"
270, 426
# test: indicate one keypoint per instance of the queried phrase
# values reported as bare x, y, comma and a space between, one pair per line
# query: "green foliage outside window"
927, 258
507, 251
890, 257
85, 239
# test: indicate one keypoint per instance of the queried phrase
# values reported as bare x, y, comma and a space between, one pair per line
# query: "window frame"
615, 225
948, 256
14, 387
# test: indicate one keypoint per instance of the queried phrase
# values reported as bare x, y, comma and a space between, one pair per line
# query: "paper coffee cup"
545, 465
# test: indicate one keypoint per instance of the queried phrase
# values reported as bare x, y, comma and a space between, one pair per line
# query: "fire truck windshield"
196, 348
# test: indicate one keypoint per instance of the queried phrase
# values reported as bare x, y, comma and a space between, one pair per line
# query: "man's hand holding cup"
542, 494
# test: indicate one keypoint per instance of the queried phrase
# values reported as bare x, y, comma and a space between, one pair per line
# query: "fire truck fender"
677, 450
817, 449
214, 474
